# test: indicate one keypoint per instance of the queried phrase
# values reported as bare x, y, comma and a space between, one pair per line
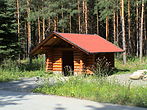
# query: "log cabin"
78, 51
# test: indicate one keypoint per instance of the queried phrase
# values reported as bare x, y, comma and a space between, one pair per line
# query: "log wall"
57, 60
82, 61
78, 62
49, 60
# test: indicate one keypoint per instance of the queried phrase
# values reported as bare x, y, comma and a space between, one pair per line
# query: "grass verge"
97, 89
14, 70
133, 64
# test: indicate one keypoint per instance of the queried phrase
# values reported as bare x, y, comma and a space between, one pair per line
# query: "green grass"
97, 89
14, 70
132, 65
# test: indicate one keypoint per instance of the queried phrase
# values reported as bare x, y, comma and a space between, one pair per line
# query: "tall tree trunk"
18, 17
79, 17
83, 23
117, 28
43, 28
49, 25
39, 33
97, 26
86, 17
129, 27
55, 23
18, 24
114, 26
107, 28
62, 18
145, 35
137, 29
141, 31
70, 24
29, 29
123, 31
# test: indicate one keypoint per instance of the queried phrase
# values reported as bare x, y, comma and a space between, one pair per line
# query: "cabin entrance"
67, 63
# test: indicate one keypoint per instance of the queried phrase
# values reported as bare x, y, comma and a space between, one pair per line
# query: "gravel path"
28, 84
124, 80
25, 85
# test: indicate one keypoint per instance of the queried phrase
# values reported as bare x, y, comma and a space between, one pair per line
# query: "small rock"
139, 74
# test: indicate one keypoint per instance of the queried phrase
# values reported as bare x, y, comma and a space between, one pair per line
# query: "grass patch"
14, 70
133, 64
97, 89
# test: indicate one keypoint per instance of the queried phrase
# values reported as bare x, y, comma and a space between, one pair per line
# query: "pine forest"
25, 23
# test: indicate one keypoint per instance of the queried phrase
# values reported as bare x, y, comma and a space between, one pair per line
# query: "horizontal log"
77, 65
49, 62
49, 68
57, 69
57, 66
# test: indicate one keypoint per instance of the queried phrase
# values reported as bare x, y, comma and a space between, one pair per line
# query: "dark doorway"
67, 63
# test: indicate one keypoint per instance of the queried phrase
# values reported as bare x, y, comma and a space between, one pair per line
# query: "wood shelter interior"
60, 53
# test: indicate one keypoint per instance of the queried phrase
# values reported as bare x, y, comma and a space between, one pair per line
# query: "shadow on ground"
115, 71
8, 98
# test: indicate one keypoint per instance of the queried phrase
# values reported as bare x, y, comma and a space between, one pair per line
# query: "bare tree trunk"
114, 26
107, 28
43, 29
62, 18
28, 26
129, 27
79, 17
18, 23
18, 17
55, 23
141, 31
83, 23
70, 24
49, 24
117, 28
137, 29
25, 47
86, 17
145, 35
39, 33
97, 16
123, 32
29, 30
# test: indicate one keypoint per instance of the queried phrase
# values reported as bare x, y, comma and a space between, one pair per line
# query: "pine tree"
8, 30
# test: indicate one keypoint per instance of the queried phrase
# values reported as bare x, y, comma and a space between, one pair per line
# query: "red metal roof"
90, 43
86, 42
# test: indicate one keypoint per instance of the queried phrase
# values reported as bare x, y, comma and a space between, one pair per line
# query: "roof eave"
106, 52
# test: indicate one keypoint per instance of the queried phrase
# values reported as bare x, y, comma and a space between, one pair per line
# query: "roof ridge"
75, 33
